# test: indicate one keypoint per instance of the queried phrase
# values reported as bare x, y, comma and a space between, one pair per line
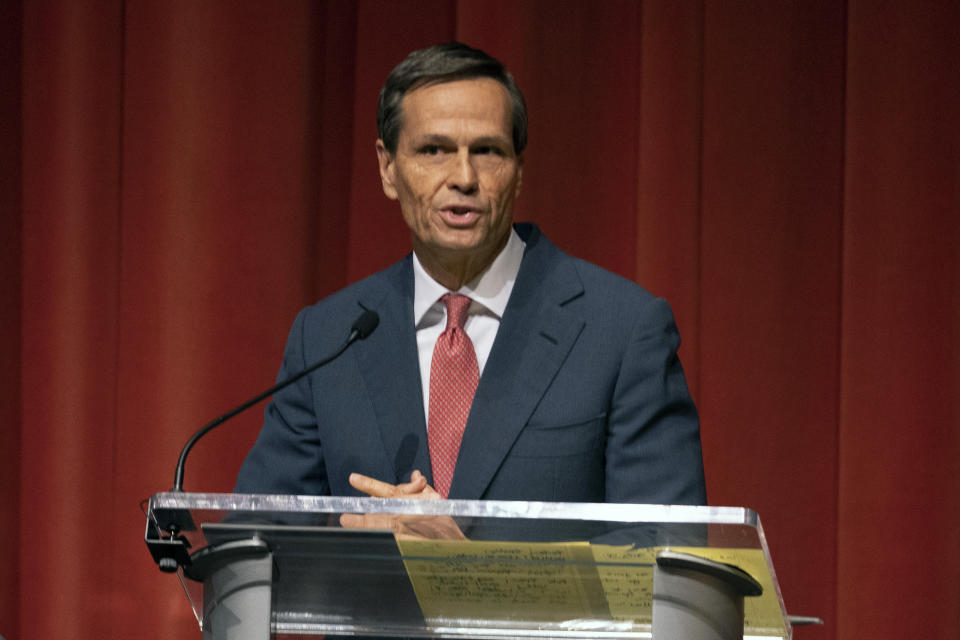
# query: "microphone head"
365, 324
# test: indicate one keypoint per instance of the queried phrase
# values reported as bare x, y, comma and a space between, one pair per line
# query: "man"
502, 368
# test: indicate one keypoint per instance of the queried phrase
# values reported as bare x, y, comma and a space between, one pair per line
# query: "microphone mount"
362, 327
168, 547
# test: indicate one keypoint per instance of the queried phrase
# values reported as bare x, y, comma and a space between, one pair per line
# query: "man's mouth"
458, 215
460, 209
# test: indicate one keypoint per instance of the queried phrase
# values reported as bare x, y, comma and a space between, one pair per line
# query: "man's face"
455, 171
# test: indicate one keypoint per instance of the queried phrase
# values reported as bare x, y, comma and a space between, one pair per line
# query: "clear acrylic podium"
284, 565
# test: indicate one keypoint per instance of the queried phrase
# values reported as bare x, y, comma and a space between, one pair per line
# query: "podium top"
501, 569
585, 511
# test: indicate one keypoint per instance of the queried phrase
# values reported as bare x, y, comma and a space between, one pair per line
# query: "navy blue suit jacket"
582, 398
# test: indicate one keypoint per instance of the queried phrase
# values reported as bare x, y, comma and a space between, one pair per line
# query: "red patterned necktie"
453, 381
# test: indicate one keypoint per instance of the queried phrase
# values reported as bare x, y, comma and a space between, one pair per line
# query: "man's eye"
487, 150
430, 149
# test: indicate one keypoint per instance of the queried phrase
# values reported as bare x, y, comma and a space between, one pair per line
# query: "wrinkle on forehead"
444, 109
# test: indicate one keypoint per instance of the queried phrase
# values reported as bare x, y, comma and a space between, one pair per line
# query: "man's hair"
444, 63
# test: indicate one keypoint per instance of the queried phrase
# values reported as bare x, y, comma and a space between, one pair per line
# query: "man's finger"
372, 486
367, 521
351, 521
417, 484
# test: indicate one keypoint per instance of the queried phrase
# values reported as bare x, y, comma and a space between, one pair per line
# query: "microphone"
362, 327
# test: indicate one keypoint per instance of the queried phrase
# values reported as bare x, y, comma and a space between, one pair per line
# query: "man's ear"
386, 160
516, 192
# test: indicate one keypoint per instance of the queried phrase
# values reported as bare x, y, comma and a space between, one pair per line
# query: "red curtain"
181, 177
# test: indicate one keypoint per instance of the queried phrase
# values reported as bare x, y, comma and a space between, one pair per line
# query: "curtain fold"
11, 206
72, 96
188, 175
769, 296
899, 441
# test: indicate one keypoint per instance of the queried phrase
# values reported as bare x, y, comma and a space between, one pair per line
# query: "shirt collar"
491, 288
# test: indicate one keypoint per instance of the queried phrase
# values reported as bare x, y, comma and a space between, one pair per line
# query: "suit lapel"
536, 333
390, 369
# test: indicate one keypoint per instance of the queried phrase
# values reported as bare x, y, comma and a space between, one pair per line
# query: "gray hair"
444, 63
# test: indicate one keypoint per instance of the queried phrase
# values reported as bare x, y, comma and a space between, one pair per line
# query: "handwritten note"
504, 581
626, 574
533, 584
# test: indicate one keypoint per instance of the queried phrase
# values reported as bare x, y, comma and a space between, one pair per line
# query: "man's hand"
416, 488
415, 527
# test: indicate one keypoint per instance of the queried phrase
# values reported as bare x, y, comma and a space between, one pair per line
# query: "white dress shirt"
489, 291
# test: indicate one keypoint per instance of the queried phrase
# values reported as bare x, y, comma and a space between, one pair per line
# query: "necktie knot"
457, 307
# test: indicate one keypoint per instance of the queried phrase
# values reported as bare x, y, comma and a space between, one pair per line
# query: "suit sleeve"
653, 452
287, 457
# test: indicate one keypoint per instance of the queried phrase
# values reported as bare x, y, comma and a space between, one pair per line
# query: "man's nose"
463, 175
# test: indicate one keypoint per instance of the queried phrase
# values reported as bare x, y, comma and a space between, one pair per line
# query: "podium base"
237, 590
694, 597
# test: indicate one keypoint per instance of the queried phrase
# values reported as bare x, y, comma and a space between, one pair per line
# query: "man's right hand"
403, 526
